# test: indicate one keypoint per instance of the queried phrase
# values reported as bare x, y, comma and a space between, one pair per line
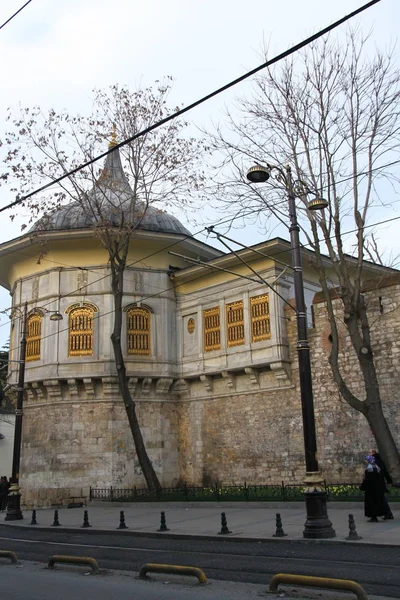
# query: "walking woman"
373, 487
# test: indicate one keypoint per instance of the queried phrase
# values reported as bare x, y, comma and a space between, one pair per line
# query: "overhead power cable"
184, 110
271, 255
195, 278
15, 14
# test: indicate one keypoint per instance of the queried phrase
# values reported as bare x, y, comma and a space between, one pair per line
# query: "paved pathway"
245, 520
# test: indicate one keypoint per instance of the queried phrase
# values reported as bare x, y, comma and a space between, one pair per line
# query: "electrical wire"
205, 228
15, 14
200, 276
186, 109
165, 248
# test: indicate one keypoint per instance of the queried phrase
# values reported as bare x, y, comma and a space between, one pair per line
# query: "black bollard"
86, 519
224, 525
163, 526
33, 521
353, 535
122, 521
279, 529
56, 522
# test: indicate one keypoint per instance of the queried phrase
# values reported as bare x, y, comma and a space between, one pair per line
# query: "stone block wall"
228, 427
74, 441
257, 436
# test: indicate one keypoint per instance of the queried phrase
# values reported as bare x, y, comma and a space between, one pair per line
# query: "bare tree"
162, 167
332, 114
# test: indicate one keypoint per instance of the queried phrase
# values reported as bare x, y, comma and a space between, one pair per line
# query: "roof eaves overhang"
59, 235
273, 249
276, 249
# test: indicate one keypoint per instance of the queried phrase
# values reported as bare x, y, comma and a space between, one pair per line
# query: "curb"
185, 536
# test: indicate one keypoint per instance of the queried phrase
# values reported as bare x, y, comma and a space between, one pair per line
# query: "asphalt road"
376, 568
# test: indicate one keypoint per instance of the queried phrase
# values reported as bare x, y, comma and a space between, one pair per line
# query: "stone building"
210, 354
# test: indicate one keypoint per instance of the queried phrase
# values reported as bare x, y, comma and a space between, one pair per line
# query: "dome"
109, 202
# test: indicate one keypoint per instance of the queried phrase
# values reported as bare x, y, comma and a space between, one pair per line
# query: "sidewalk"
255, 521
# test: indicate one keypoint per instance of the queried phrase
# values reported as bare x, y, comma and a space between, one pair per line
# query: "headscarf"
371, 466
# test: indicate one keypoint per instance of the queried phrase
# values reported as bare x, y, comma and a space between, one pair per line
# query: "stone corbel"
40, 391
73, 388
132, 385
208, 382
230, 379
162, 386
252, 375
53, 389
89, 387
281, 371
110, 387
180, 386
146, 385
30, 393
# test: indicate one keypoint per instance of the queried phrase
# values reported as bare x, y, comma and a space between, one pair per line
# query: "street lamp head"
56, 316
317, 204
258, 174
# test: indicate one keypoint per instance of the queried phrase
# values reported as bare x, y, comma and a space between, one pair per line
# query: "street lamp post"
14, 512
317, 525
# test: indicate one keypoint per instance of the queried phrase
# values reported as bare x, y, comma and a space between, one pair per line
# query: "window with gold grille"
81, 331
260, 318
235, 324
212, 329
139, 331
33, 337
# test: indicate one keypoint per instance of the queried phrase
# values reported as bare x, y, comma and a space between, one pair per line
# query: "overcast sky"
54, 53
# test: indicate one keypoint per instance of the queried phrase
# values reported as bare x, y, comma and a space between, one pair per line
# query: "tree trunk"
384, 439
145, 463
358, 327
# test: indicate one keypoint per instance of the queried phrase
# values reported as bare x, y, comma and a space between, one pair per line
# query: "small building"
209, 350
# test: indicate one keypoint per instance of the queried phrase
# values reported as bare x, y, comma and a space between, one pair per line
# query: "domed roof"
109, 203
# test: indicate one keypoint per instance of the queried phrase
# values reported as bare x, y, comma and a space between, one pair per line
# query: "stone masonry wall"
73, 442
232, 428
257, 437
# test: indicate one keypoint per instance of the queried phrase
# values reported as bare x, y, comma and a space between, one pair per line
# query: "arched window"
81, 330
139, 331
33, 336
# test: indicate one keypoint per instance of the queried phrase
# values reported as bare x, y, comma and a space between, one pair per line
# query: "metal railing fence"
336, 492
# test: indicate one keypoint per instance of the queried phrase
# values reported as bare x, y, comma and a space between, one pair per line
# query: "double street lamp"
317, 524
14, 512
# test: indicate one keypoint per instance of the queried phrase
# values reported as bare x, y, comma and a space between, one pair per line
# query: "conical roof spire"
112, 176
113, 141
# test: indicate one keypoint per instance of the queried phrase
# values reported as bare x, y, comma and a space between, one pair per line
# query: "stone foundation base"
54, 497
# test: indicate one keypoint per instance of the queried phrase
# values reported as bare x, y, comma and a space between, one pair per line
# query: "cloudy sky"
54, 53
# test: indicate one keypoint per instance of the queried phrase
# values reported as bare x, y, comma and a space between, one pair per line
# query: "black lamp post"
317, 524
14, 512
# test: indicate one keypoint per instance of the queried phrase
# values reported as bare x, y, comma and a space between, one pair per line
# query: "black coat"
384, 472
374, 487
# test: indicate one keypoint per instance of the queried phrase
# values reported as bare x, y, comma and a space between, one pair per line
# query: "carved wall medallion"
191, 325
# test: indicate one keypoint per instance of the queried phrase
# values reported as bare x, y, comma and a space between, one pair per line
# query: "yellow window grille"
260, 318
139, 331
81, 331
212, 329
33, 337
235, 323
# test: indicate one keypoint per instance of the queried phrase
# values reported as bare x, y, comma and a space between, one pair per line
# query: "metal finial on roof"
113, 137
